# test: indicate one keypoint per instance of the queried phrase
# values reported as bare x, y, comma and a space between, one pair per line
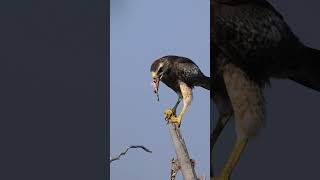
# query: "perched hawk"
181, 75
251, 43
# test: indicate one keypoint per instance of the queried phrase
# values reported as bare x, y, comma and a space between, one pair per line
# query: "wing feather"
252, 33
188, 71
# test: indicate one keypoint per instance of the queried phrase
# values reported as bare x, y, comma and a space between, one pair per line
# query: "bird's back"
255, 37
190, 73
185, 70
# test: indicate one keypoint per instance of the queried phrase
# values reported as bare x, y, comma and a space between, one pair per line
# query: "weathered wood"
186, 167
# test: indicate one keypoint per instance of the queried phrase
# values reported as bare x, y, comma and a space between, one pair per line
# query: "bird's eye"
160, 71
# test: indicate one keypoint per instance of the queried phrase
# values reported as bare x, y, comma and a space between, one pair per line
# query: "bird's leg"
222, 122
178, 119
187, 98
233, 159
172, 112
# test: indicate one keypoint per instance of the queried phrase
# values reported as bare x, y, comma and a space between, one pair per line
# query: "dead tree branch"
132, 146
185, 165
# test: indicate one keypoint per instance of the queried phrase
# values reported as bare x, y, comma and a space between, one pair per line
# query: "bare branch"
175, 167
132, 146
186, 166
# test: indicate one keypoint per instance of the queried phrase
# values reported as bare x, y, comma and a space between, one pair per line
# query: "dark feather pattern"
256, 38
181, 69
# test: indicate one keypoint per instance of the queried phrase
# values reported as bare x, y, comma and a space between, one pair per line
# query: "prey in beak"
155, 83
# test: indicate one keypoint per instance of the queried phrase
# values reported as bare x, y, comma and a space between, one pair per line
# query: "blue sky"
142, 31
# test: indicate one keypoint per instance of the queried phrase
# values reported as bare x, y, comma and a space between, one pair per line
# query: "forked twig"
133, 147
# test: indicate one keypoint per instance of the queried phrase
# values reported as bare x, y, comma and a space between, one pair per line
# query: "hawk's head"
159, 69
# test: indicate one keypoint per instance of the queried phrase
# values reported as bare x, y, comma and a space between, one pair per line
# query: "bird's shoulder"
253, 29
187, 71
184, 64
249, 23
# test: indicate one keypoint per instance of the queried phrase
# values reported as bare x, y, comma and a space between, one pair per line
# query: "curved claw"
170, 116
175, 119
168, 113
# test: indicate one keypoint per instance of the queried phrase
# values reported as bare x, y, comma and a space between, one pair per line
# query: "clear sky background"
141, 32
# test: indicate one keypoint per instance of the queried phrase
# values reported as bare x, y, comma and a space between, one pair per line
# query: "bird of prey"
250, 44
181, 75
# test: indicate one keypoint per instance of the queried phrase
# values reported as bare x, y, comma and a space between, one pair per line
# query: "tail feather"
308, 72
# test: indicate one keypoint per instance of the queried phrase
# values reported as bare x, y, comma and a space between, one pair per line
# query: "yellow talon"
175, 119
168, 113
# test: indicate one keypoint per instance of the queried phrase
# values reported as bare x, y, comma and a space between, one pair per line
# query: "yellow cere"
153, 74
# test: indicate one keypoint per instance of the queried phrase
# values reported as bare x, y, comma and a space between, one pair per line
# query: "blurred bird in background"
251, 43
